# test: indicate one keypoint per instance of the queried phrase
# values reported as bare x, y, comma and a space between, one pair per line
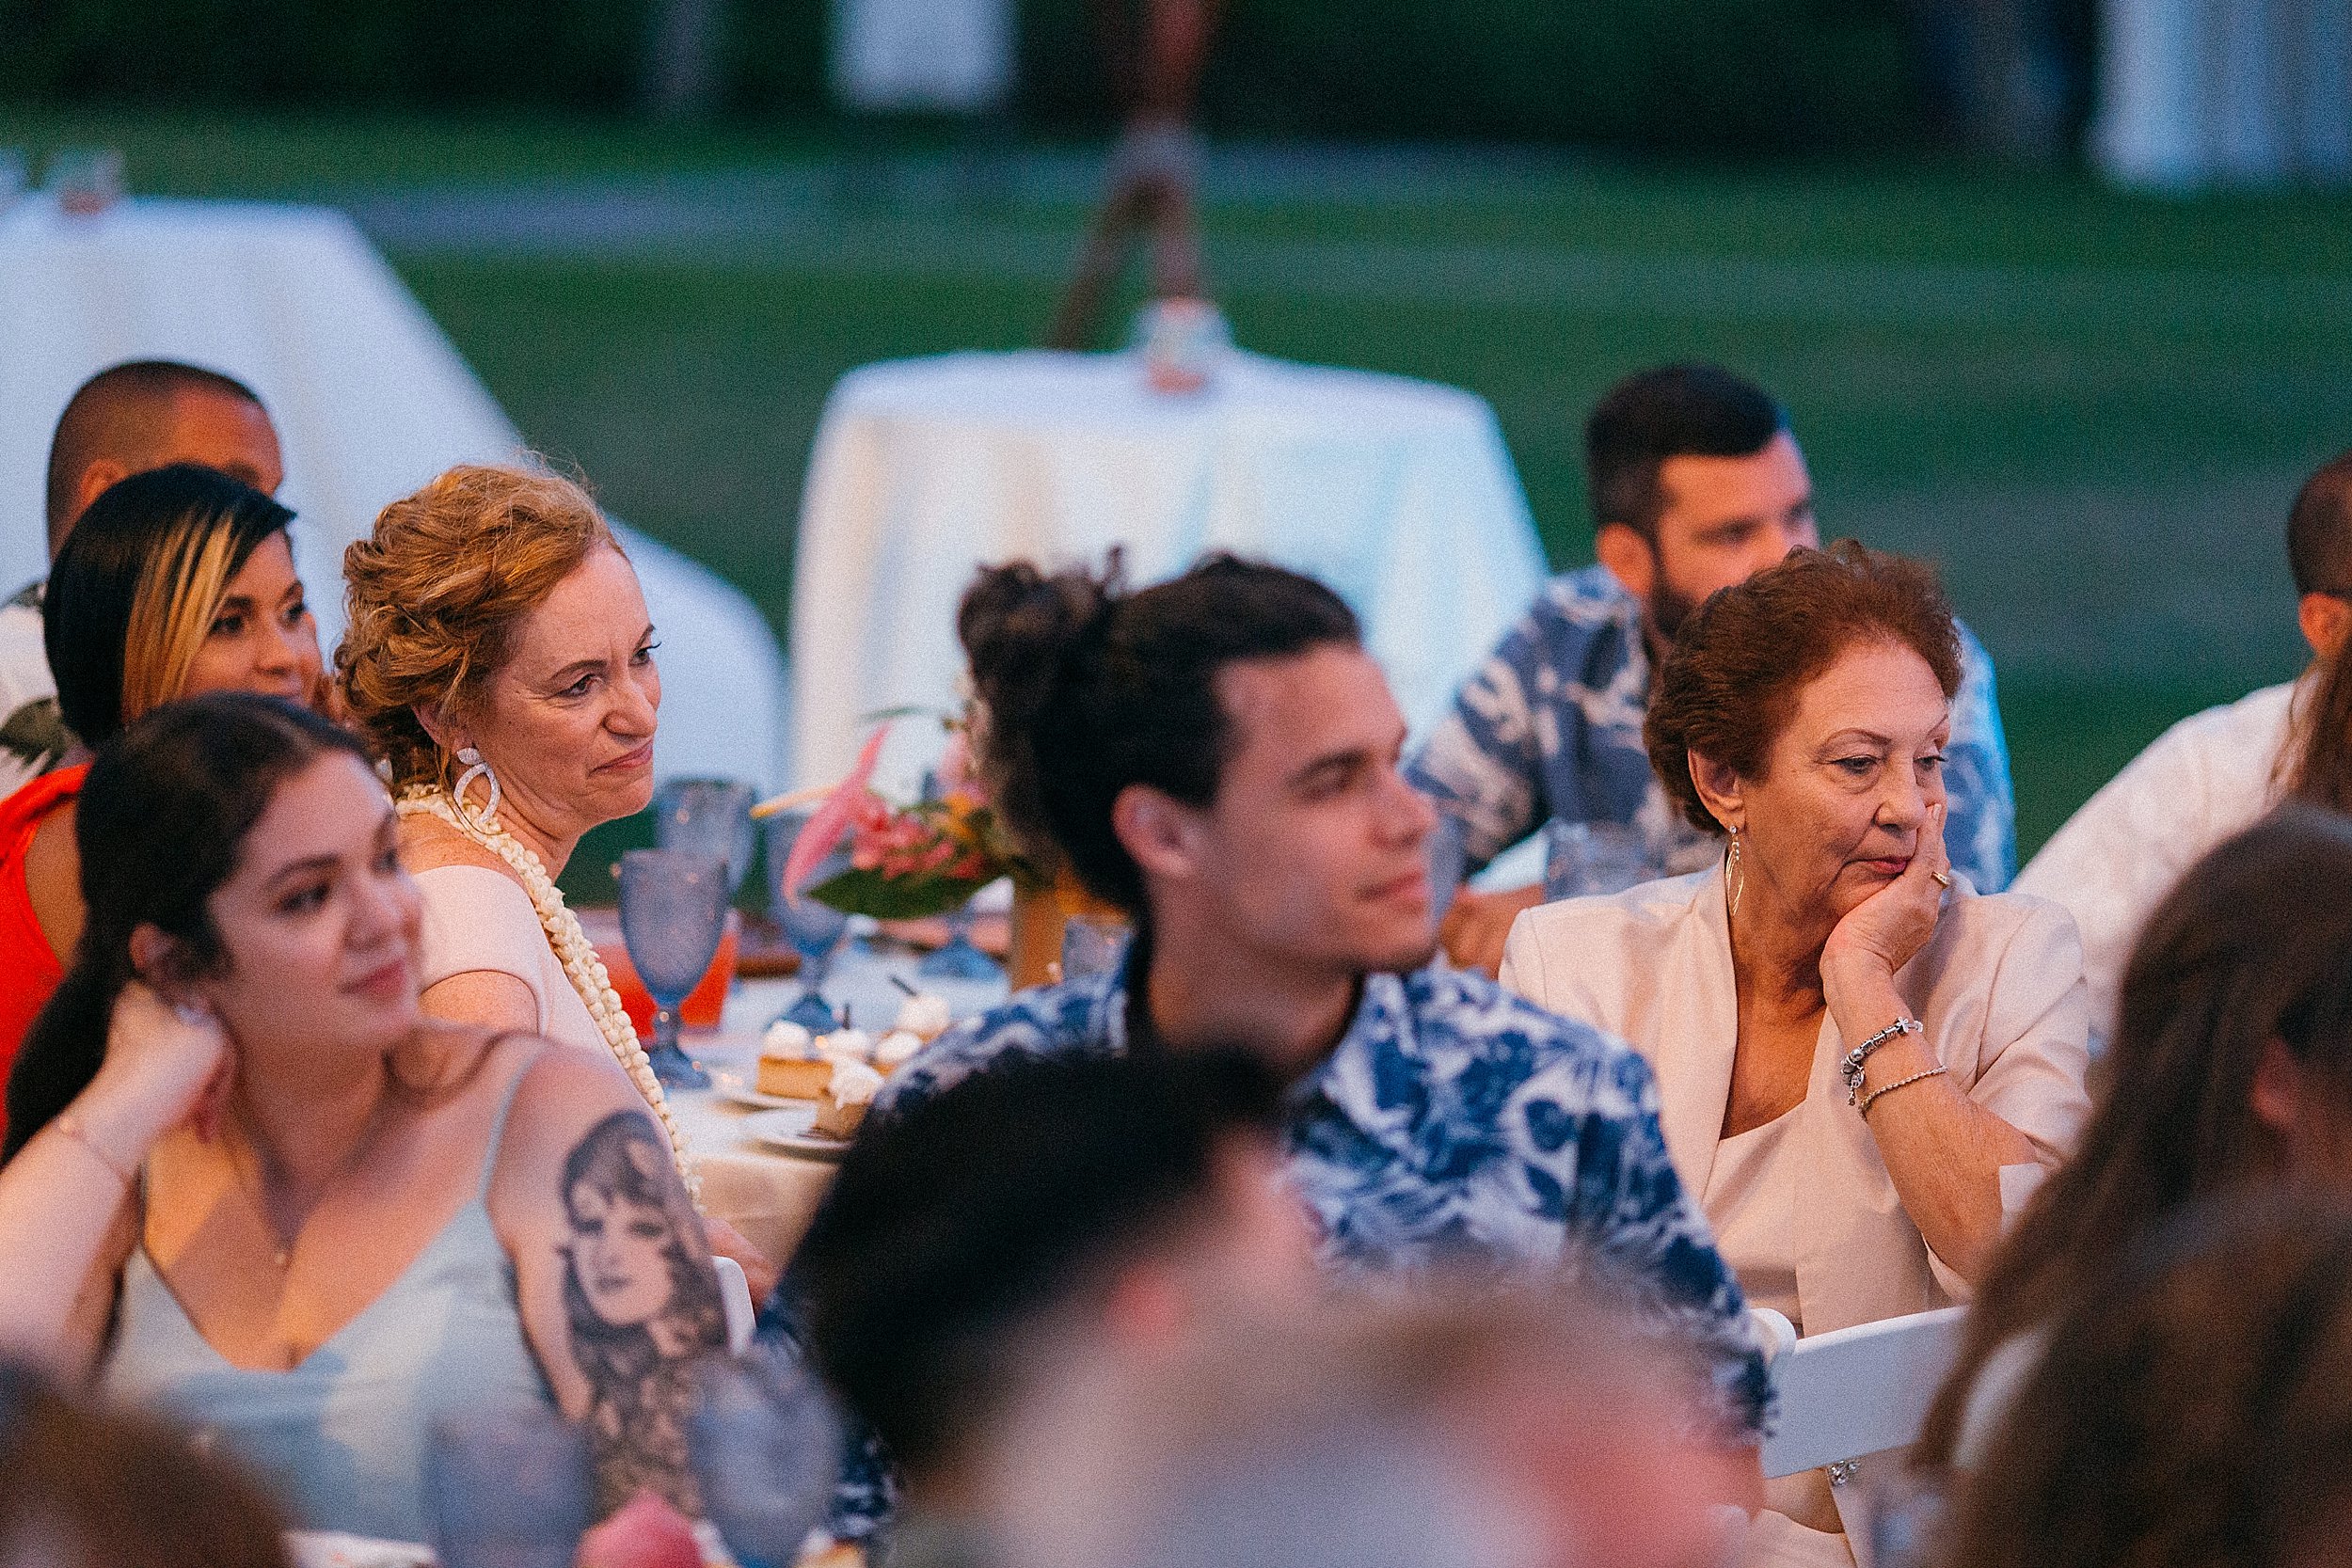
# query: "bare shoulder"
428, 844
563, 1094
52, 878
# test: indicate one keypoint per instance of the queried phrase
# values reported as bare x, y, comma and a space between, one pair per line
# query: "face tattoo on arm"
643, 1304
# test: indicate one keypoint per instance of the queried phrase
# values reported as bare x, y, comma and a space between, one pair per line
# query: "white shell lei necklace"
582, 966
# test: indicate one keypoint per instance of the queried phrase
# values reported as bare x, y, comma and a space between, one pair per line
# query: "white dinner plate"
743, 1088
793, 1131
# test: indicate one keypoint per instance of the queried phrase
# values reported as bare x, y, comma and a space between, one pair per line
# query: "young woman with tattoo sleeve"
251, 1183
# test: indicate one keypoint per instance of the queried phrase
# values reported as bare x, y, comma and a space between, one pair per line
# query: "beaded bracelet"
1850, 1066
1876, 1094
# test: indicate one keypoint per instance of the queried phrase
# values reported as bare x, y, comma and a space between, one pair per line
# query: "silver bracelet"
1876, 1094
1850, 1066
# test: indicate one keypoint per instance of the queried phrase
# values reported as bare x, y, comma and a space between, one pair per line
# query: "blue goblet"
816, 930
712, 816
765, 1447
960, 958
673, 909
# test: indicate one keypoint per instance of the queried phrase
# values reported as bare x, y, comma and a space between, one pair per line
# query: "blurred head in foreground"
95, 1489
1114, 1202
2231, 1071
2191, 1412
1493, 1429
1696, 484
1214, 754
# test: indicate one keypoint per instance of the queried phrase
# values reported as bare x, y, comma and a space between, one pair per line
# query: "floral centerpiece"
907, 861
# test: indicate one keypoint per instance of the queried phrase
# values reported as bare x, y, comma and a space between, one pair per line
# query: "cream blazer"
1999, 987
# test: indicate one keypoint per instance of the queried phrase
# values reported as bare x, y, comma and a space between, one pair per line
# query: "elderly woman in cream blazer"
1863, 1065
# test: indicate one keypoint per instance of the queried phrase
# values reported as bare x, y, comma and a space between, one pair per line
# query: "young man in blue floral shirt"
1696, 483
1218, 756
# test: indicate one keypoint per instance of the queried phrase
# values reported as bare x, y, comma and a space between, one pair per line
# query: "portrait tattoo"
643, 1307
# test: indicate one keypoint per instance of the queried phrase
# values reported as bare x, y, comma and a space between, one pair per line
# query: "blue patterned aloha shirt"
1454, 1125
1551, 726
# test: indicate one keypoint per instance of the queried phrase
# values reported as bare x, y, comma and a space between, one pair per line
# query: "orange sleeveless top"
29, 971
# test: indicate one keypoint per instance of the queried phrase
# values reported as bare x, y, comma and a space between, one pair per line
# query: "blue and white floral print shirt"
1453, 1125
1551, 726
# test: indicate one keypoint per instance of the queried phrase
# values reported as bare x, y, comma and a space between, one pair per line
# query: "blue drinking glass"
816, 930
959, 960
674, 910
765, 1447
710, 815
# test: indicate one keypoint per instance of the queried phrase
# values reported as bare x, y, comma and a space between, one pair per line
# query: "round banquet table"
1400, 494
767, 1194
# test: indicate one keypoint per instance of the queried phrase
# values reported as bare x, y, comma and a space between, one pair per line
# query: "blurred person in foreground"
1216, 756
1446, 1429
1696, 483
177, 582
500, 661
2230, 1074
251, 1182
1865, 1065
90, 1487
2189, 1411
1034, 1213
124, 421
2215, 772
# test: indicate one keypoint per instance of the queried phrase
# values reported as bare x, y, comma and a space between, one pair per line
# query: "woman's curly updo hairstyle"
437, 589
1087, 688
1741, 658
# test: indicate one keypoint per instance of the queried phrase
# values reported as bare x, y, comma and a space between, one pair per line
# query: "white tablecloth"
1400, 494
369, 398
772, 1196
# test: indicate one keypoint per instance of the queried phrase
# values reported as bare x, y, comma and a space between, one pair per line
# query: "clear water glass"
712, 816
765, 1447
510, 1491
1448, 851
674, 910
1582, 859
1091, 944
816, 930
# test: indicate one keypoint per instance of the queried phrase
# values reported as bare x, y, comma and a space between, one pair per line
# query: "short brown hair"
1742, 657
2319, 530
116, 414
437, 589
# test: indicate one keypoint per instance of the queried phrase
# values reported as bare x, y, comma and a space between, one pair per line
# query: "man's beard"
1668, 609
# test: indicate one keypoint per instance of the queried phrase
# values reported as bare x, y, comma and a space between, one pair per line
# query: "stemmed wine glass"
711, 815
765, 1448
816, 930
508, 1491
673, 909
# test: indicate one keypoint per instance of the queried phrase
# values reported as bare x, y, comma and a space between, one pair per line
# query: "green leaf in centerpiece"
870, 892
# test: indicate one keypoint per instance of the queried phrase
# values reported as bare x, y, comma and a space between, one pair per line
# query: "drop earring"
1733, 874
487, 821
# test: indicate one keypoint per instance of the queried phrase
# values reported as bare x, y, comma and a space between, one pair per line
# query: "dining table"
770, 1192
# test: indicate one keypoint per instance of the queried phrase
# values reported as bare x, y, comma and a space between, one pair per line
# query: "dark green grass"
688, 391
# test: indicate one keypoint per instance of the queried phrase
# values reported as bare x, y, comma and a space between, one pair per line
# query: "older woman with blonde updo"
500, 658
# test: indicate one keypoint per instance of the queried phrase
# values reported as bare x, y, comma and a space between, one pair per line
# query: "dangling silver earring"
1732, 874
476, 768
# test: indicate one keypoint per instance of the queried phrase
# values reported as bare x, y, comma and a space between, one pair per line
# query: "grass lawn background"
2089, 408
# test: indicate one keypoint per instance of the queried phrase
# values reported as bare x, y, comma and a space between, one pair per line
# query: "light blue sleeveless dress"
342, 1436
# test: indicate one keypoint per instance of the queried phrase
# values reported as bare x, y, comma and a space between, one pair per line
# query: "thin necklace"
257, 1193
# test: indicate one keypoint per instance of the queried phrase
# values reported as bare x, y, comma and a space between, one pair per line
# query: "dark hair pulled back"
1087, 688
160, 824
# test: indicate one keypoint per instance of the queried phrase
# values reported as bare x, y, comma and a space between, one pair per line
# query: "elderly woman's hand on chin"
1885, 931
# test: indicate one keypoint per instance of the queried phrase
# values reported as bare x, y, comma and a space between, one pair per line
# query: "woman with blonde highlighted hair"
500, 660
176, 582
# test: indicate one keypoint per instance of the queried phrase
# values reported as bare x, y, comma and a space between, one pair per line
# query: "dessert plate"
743, 1088
793, 1132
